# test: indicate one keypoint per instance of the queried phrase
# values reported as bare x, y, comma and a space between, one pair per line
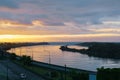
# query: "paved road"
4, 71
14, 71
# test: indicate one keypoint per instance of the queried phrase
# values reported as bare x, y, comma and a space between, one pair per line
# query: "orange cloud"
38, 38
37, 23
9, 23
106, 30
16, 24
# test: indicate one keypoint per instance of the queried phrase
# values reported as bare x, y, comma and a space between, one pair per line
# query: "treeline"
7, 46
108, 74
102, 74
102, 50
66, 48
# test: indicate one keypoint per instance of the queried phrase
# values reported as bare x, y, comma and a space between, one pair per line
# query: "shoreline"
59, 68
100, 50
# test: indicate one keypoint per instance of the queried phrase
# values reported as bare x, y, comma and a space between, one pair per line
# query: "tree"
54, 74
108, 74
13, 56
79, 76
26, 60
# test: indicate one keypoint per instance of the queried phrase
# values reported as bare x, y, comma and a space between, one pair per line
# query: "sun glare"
7, 36
39, 38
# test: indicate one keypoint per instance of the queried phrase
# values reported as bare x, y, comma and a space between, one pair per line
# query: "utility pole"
7, 71
49, 59
20, 51
32, 54
65, 72
49, 65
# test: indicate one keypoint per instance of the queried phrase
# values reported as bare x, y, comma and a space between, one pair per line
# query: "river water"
52, 54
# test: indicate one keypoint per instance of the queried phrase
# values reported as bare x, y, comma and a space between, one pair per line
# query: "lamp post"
49, 57
32, 54
65, 72
20, 52
49, 62
7, 71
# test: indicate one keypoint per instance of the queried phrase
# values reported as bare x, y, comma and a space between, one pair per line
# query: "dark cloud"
9, 3
83, 14
54, 24
86, 10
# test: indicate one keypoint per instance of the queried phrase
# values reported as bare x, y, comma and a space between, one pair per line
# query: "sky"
60, 20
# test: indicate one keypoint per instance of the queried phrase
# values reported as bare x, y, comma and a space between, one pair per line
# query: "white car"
22, 76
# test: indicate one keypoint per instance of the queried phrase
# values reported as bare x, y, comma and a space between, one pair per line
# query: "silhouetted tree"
26, 60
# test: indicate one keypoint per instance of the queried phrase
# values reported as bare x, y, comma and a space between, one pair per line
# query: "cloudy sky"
98, 20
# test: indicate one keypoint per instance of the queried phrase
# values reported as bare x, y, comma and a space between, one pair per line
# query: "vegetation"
103, 50
108, 74
7, 45
26, 60
54, 74
46, 73
79, 76
51, 74
13, 56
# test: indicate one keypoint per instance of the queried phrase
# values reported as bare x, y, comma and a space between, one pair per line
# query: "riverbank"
7, 46
102, 50
61, 68
48, 67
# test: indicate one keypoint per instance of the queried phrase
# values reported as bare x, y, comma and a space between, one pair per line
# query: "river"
52, 54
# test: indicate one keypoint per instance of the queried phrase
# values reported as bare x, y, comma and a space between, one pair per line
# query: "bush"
26, 60
13, 56
79, 76
54, 74
108, 74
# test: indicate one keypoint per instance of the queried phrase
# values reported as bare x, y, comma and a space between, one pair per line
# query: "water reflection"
71, 59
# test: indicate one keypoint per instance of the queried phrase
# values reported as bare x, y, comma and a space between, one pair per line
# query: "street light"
7, 71
49, 57
49, 63
65, 72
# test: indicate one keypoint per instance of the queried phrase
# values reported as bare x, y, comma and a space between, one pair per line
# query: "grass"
3, 76
44, 72
2, 57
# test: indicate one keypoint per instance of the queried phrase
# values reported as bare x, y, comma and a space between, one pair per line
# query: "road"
14, 71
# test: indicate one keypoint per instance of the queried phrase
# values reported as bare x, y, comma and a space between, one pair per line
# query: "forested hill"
103, 50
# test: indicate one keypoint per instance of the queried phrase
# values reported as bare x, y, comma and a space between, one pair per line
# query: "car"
22, 76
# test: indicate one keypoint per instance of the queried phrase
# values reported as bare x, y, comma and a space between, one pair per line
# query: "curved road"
14, 71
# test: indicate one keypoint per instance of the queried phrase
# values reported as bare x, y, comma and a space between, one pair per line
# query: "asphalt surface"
14, 71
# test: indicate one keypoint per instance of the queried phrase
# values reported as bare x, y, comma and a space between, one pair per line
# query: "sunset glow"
41, 20
53, 38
